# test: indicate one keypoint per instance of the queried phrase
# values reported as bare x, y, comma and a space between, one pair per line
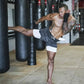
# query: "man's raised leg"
50, 66
27, 32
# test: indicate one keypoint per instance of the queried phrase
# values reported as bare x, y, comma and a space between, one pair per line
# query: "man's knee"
50, 60
28, 32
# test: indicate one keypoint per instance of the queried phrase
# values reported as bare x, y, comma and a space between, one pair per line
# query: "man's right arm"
47, 17
68, 26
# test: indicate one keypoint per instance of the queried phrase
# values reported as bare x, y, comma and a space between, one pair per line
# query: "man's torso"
56, 27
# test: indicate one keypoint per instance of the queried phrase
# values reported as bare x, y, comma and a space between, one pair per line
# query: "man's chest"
58, 22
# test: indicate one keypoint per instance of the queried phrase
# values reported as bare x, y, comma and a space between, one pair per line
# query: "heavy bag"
40, 45
32, 52
4, 50
21, 19
56, 6
50, 6
46, 11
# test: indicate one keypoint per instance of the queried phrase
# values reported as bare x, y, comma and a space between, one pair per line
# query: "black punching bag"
55, 5
32, 53
4, 51
50, 6
40, 45
46, 13
21, 19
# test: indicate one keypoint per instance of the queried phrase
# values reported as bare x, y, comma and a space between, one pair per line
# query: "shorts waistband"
52, 36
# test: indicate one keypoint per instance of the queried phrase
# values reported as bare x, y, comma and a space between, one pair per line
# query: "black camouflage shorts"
48, 38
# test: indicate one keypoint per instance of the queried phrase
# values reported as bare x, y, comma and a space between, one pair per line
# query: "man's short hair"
63, 5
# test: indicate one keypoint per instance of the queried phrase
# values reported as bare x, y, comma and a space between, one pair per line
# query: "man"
62, 23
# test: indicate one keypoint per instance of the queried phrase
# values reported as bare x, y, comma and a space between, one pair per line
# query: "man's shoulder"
54, 14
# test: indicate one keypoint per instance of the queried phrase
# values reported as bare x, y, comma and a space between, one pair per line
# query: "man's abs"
56, 32
56, 27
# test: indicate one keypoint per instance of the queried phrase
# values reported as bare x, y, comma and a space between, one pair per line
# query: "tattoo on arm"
68, 26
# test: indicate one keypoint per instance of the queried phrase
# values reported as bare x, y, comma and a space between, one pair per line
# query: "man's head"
63, 8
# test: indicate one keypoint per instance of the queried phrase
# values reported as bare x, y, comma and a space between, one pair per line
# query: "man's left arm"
68, 26
47, 17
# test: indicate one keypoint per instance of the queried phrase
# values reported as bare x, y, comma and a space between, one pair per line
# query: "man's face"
62, 11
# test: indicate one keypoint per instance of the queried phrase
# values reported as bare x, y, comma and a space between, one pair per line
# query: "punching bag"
50, 6
46, 13
50, 9
32, 53
55, 6
43, 12
21, 19
4, 51
40, 45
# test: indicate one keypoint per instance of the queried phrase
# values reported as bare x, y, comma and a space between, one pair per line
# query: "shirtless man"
62, 23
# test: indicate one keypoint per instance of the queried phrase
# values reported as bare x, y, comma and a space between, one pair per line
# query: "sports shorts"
45, 35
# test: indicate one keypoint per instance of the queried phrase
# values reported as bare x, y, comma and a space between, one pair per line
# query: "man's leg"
50, 66
27, 32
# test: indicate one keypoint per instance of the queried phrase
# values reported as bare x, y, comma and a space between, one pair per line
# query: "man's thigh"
51, 56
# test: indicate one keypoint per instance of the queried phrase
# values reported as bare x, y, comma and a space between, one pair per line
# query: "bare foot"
17, 28
49, 82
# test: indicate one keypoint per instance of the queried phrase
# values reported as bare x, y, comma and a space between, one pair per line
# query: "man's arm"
68, 26
47, 17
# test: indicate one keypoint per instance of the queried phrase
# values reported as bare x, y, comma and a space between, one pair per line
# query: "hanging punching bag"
4, 51
21, 19
46, 13
49, 2
42, 5
50, 6
40, 45
32, 53
43, 12
54, 6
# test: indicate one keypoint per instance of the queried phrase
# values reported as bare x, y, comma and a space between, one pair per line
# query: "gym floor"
68, 68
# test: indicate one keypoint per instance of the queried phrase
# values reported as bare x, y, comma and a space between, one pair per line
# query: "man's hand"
36, 22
